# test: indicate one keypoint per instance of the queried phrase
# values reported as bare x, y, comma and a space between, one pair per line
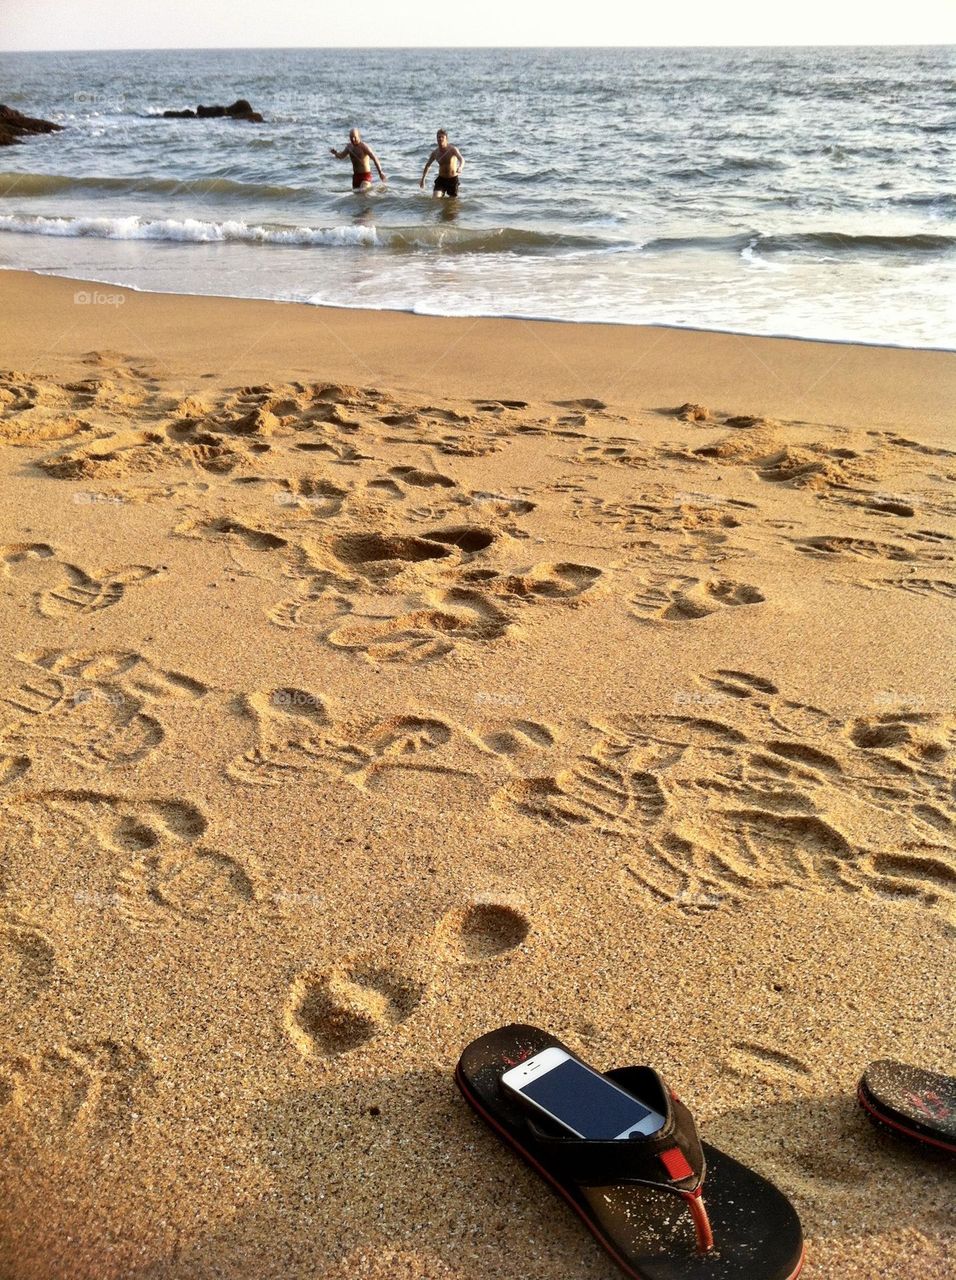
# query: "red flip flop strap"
698, 1211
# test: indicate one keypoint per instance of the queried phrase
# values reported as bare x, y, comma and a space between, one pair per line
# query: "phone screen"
583, 1101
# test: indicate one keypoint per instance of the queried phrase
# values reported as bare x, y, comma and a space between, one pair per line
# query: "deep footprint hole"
468, 538
488, 929
134, 835
364, 548
332, 1028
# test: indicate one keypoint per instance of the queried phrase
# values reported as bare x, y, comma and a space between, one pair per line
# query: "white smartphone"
589, 1105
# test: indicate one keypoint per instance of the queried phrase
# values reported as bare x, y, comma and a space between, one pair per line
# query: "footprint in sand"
503, 504
13, 768
586, 404
28, 962
441, 619
663, 599
406, 743
924, 872
239, 537
913, 446
408, 485
62, 590
362, 998
481, 930
922, 545
233, 431
349, 1004
469, 444
739, 684
675, 525
511, 738
760, 699
922, 737
315, 607
119, 666
770, 1067
95, 1089
89, 705
499, 406
623, 454
127, 453
315, 496
382, 486
420, 479
717, 854
194, 884
96, 727
83, 593
741, 797
34, 410
296, 736
380, 555
139, 859
887, 507
592, 792
558, 580
403, 739
377, 556
918, 586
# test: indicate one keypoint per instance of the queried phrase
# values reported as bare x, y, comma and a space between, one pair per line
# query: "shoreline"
435, 315
641, 367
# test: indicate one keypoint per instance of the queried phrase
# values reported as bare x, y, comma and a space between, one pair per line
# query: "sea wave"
937, 201
844, 242
813, 242
516, 240
727, 165
453, 239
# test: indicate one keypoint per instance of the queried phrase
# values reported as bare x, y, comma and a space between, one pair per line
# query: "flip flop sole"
750, 1253
606, 1244
879, 1117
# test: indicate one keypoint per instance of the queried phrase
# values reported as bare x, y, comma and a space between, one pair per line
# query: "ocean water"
808, 192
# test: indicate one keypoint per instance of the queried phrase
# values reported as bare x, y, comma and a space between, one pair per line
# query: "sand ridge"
340, 722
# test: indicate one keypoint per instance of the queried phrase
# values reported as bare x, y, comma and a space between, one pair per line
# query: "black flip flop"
915, 1103
634, 1195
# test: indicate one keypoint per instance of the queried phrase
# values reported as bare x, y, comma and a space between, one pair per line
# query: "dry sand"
369, 681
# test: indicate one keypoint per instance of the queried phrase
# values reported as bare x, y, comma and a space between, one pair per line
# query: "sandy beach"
369, 681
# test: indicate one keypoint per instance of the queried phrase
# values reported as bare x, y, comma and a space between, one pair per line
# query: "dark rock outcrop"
239, 110
14, 126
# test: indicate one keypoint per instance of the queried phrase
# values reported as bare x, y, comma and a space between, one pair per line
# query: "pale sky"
185, 24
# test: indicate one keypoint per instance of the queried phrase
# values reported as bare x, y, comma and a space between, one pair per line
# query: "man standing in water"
362, 157
450, 165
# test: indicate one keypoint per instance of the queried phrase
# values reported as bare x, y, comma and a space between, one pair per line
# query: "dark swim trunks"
360, 179
446, 186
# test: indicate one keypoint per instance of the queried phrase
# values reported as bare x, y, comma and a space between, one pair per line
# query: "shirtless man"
450, 165
362, 157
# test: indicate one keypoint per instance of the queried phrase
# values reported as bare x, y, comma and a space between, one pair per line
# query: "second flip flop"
912, 1102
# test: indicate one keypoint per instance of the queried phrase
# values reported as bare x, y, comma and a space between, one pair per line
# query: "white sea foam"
448, 239
753, 258
187, 230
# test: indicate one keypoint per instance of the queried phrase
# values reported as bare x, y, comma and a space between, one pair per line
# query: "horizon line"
343, 48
